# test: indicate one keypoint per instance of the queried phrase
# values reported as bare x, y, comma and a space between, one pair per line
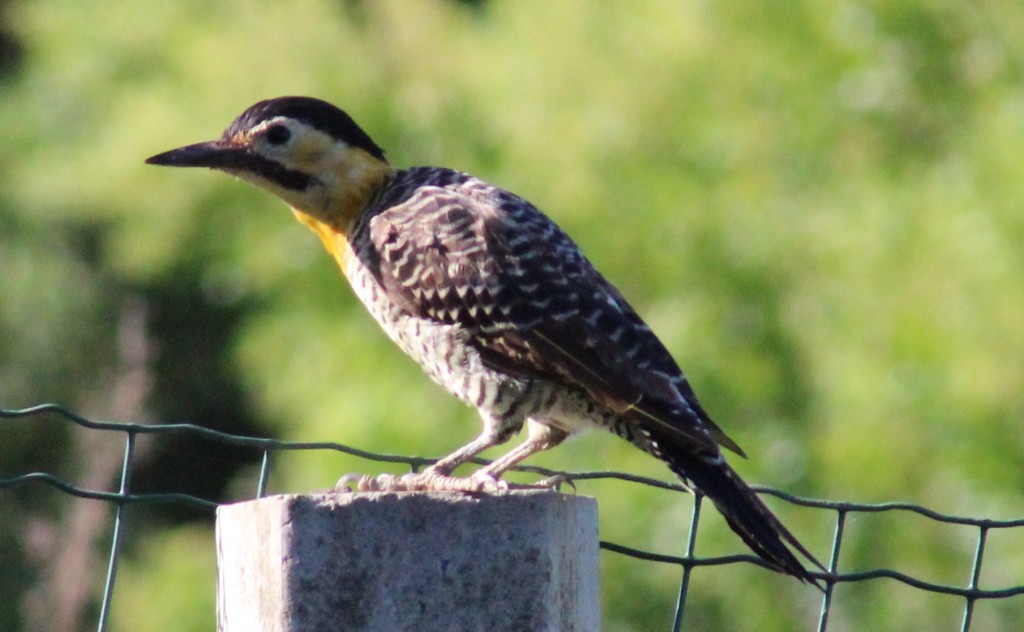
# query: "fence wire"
972, 593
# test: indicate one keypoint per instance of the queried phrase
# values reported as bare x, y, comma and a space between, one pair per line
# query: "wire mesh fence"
971, 593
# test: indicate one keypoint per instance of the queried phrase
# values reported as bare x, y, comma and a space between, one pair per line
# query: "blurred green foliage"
818, 206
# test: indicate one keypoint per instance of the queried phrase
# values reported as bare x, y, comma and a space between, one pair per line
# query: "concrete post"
386, 562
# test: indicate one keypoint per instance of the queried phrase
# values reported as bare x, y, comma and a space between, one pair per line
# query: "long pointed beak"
215, 154
237, 160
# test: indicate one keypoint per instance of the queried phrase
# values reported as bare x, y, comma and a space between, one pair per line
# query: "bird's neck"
355, 180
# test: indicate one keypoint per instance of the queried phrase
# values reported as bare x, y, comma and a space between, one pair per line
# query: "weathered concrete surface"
517, 561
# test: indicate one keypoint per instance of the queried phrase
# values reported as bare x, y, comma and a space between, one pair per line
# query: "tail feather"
743, 510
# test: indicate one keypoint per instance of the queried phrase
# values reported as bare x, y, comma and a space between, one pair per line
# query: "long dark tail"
743, 510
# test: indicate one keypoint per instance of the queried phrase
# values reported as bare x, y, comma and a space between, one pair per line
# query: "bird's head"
304, 150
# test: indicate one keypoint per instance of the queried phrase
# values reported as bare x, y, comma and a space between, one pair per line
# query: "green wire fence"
971, 593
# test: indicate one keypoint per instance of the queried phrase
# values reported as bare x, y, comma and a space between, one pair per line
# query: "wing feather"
491, 263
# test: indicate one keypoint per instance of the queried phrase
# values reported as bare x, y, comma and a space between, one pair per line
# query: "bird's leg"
438, 476
447, 465
541, 437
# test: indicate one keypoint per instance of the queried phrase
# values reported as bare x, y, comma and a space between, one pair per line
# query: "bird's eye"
277, 134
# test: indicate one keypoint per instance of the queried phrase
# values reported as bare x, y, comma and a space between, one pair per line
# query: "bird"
495, 302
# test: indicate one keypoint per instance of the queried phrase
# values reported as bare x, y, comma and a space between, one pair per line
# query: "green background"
818, 207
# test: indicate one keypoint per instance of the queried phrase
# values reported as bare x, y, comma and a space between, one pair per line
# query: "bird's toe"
354, 482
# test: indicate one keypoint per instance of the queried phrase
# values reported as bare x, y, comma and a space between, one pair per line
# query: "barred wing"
492, 264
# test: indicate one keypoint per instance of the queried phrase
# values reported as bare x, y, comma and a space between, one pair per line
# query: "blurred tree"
817, 206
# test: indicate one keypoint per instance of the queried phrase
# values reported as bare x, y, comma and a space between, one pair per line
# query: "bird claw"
426, 481
353, 482
431, 480
555, 483
549, 484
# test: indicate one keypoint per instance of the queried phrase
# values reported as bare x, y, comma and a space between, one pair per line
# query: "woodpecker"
494, 301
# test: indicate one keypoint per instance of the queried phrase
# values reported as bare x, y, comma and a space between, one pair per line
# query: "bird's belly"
444, 353
572, 411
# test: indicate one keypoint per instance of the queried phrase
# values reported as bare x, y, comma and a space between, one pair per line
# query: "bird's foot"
432, 480
554, 483
429, 480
